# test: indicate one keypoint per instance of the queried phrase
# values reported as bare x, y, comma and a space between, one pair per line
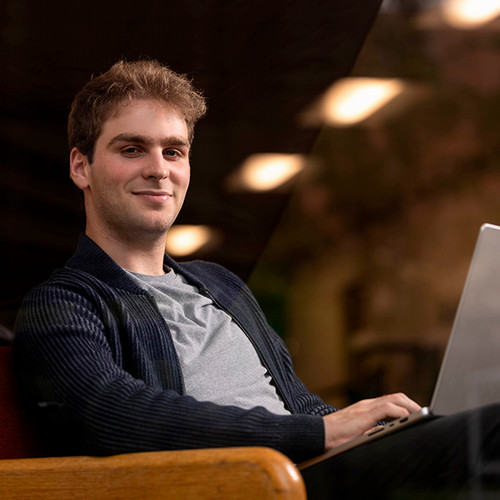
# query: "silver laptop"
470, 372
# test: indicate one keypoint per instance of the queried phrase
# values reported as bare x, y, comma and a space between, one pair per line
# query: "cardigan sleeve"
76, 376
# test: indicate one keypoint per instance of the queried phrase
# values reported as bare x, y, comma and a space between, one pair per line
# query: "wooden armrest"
236, 473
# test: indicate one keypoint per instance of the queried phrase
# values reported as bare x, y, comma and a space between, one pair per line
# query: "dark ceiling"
259, 64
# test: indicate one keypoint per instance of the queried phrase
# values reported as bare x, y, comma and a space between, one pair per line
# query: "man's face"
138, 181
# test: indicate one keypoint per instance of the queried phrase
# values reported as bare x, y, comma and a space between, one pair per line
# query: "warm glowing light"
263, 172
352, 100
470, 13
185, 240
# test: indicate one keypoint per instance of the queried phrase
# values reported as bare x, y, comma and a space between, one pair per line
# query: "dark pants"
449, 457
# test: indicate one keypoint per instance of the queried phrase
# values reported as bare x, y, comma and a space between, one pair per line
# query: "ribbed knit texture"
94, 354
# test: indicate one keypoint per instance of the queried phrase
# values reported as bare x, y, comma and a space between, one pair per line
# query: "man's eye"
130, 151
171, 152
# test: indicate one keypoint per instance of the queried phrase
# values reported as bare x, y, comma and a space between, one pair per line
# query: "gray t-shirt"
218, 361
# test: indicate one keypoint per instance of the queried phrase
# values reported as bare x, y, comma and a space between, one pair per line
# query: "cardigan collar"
92, 259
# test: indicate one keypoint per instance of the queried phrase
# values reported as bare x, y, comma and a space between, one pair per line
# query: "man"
126, 350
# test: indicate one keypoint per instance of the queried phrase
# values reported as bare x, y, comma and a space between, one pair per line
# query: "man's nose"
156, 167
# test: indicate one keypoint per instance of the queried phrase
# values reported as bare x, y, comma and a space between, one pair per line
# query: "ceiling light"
352, 100
183, 240
469, 13
263, 172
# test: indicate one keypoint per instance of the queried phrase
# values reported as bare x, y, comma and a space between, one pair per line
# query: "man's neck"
138, 254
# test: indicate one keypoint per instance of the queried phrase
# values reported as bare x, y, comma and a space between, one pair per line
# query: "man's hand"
354, 420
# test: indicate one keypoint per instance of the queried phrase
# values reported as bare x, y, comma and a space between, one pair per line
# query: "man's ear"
79, 168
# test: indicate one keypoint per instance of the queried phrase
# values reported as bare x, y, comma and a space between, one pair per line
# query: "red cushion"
17, 435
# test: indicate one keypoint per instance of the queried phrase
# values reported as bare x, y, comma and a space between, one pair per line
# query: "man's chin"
148, 231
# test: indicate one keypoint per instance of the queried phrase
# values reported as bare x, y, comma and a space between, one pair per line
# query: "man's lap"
435, 459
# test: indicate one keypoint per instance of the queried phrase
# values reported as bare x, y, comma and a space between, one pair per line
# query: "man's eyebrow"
142, 139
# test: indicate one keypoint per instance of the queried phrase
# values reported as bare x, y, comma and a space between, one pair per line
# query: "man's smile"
153, 195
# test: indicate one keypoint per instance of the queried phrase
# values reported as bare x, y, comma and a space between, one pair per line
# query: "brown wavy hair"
144, 79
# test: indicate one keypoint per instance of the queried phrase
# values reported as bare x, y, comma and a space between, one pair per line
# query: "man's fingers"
400, 400
391, 406
363, 416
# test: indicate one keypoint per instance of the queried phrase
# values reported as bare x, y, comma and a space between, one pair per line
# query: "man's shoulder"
67, 277
92, 266
75, 284
62, 282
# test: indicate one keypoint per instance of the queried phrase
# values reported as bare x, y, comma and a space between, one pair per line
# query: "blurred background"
349, 156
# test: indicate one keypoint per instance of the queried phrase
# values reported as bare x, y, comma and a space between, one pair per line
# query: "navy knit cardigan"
95, 356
